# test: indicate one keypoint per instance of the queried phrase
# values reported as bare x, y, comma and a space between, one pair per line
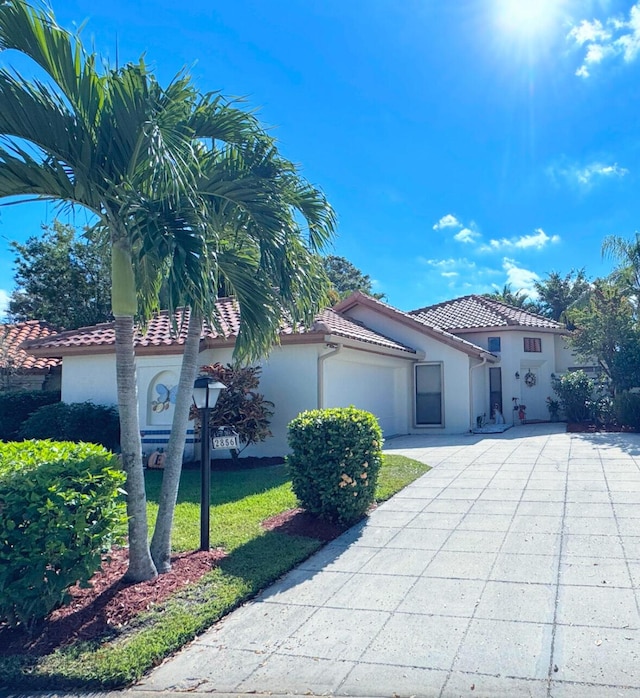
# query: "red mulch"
297, 522
107, 605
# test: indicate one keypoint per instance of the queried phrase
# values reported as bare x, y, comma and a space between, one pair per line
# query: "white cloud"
4, 303
602, 40
597, 169
450, 264
519, 278
449, 274
466, 235
587, 175
448, 221
537, 240
589, 32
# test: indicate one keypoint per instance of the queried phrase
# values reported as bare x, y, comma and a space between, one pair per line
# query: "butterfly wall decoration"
166, 397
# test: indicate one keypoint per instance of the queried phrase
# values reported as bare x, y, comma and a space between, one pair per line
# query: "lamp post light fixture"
205, 395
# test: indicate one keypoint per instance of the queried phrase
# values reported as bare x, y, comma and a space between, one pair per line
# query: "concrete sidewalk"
511, 569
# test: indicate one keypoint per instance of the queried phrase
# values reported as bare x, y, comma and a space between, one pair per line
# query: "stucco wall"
566, 359
289, 381
89, 378
369, 382
457, 412
513, 359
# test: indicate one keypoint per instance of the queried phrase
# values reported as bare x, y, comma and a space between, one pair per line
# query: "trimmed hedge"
76, 421
17, 405
59, 510
335, 461
626, 407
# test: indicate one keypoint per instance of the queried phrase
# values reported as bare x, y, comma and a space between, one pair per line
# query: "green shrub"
77, 421
626, 407
59, 510
335, 461
575, 392
18, 405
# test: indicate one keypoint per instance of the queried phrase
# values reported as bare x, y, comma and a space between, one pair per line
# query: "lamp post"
205, 395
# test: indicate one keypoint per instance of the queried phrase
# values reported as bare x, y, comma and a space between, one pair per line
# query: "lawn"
240, 500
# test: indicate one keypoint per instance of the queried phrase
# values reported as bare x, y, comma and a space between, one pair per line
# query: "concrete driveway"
510, 569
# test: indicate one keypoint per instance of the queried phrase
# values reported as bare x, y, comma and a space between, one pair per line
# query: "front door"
532, 393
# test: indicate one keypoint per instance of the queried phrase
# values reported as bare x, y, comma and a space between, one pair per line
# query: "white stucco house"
432, 370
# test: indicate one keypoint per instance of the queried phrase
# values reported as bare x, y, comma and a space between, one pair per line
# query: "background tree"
626, 276
346, 278
61, 279
606, 329
558, 295
518, 299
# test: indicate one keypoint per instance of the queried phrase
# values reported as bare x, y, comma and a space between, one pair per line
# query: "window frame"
495, 339
535, 342
416, 424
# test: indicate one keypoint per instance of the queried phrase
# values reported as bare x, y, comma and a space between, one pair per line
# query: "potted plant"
554, 408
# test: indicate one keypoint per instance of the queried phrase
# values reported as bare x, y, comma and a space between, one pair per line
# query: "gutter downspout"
336, 349
471, 368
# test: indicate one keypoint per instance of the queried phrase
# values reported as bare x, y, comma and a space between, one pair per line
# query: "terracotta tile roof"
359, 298
14, 357
477, 312
160, 331
331, 322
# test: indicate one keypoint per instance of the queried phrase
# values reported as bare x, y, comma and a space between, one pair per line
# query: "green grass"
240, 501
396, 473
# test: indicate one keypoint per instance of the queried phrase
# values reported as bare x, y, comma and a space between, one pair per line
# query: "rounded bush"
335, 461
59, 510
575, 392
76, 421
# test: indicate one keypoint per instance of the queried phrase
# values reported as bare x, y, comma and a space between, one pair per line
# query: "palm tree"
518, 299
559, 295
254, 201
115, 143
627, 254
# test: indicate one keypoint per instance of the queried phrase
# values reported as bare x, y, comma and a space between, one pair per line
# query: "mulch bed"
109, 604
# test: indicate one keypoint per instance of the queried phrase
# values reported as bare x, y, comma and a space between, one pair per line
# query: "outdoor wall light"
205, 395
517, 375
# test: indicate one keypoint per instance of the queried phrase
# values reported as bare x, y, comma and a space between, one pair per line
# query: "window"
429, 395
533, 344
494, 345
495, 389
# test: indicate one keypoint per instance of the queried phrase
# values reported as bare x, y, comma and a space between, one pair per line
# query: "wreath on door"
530, 379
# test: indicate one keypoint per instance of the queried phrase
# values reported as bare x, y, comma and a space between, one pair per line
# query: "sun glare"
527, 18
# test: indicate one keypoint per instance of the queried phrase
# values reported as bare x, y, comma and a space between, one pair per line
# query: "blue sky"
464, 145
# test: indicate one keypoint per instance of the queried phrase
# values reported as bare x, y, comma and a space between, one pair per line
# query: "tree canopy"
559, 295
346, 278
61, 279
519, 299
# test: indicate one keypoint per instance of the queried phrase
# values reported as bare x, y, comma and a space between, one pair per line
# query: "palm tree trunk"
141, 565
161, 541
